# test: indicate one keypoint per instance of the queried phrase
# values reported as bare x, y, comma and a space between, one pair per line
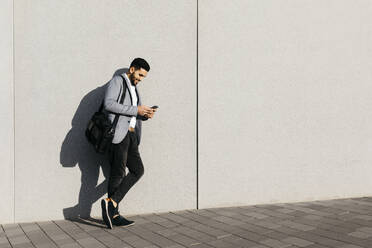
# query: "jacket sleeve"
142, 118
111, 103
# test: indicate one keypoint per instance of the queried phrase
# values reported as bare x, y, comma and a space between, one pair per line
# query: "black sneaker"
107, 212
116, 211
121, 221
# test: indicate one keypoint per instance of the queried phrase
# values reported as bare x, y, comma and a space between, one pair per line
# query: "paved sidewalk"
345, 223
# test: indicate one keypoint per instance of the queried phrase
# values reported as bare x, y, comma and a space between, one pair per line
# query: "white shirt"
132, 90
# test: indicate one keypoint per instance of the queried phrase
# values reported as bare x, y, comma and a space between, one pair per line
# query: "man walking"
124, 150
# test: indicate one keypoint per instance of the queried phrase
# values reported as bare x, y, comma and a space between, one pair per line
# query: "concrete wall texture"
6, 112
260, 101
285, 108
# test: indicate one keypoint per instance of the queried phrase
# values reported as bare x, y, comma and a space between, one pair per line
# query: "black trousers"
124, 154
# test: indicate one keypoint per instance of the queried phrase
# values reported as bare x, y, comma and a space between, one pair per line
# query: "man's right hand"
144, 110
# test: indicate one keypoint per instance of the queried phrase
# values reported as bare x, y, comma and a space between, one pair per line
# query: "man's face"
136, 76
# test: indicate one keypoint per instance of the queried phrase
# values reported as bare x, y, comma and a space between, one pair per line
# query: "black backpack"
100, 131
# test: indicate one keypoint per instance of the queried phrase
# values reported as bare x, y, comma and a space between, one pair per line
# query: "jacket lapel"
138, 96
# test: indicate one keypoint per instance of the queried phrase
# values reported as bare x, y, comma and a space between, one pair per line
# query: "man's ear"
131, 70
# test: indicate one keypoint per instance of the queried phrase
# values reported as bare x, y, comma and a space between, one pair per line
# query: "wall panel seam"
14, 140
197, 104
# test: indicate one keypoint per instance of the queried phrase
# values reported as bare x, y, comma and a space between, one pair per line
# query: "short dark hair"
139, 63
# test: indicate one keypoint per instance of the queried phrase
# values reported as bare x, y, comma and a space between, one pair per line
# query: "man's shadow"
76, 150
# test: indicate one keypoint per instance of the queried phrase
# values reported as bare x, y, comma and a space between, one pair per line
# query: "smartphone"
155, 107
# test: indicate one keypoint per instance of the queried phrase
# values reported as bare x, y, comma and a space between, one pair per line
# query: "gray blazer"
126, 110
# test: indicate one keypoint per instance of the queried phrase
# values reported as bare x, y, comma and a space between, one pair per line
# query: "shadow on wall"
76, 150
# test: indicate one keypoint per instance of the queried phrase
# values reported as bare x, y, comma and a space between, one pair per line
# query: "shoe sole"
125, 225
105, 215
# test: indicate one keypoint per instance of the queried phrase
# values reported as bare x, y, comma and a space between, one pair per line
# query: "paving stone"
98, 233
4, 243
341, 229
319, 239
227, 220
308, 210
251, 236
365, 229
341, 237
317, 246
358, 223
57, 235
363, 217
4, 240
256, 215
255, 228
176, 246
28, 227
276, 235
361, 235
312, 217
18, 240
153, 218
110, 240
287, 230
90, 242
295, 225
37, 236
195, 217
168, 224
221, 226
277, 215
70, 245
207, 229
136, 241
221, 244
274, 243
238, 241
350, 246
166, 232
197, 235
152, 237
82, 237
243, 218
184, 240
267, 224
13, 232
200, 246
286, 210
297, 241
152, 226
24, 245
67, 242
174, 217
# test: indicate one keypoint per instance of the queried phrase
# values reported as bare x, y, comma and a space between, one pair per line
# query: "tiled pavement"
345, 223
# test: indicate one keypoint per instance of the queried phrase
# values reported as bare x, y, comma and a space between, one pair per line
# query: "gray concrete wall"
284, 101
66, 51
6, 112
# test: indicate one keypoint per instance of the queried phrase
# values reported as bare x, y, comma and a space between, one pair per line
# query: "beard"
132, 79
